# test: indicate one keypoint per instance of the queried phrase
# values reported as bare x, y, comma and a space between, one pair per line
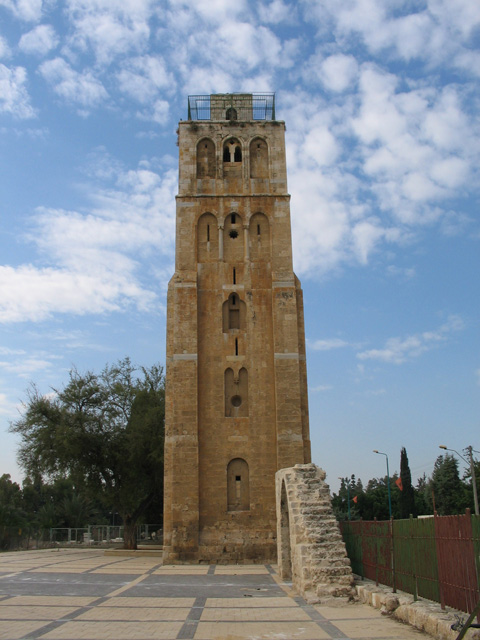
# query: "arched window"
232, 151
233, 240
234, 313
236, 393
206, 161
259, 237
238, 485
258, 158
231, 114
207, 238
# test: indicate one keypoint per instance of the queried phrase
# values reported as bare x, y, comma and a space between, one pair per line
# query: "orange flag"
399, 484
355, 499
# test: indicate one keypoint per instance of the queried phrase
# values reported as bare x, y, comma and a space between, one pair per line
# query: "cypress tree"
407, 495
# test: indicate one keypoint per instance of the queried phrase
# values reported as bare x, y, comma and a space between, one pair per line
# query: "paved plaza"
67, 594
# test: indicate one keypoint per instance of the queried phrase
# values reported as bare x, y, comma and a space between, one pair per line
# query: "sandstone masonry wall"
311, 551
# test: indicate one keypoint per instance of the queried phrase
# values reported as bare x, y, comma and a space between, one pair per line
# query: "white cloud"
338, 72
26, 366
244, 45
399, 350
94, 258
328, 344
438, 31
7, 407
82, 89
14, 98
276, 12
4, 48
39, 40
110, 28
32, 294
143, 77
215, 11
320, 388
28, 10
404, 272
321, 146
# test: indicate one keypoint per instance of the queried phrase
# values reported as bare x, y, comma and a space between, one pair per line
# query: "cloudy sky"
381, 102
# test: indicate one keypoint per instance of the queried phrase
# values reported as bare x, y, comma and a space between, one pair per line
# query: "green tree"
102, 432
447, 487
12, 516
349, 487
467, 480
406, 497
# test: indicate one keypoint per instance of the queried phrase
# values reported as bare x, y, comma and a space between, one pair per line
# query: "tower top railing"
232, 106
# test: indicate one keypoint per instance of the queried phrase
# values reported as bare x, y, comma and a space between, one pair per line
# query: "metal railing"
232, 106
102, 534
437, 558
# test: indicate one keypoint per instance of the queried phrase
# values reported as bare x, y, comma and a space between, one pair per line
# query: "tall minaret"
236, 394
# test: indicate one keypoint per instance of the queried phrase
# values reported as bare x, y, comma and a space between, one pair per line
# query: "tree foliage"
448, 490
104, 434
443, 491
406, 498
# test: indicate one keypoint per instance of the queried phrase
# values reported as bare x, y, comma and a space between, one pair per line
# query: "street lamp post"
472, 471
388, 483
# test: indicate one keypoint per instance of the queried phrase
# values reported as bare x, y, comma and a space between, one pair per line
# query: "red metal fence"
437, 558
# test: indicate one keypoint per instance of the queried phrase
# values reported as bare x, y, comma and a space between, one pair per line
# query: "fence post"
414, 550
439, 561
392, 556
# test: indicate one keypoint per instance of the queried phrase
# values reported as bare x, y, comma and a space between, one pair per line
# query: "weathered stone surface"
236, 392
311, 551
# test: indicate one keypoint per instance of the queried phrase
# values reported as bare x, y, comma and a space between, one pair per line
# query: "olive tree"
105, 432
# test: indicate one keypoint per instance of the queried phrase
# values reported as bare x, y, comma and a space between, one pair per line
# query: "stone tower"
236, 395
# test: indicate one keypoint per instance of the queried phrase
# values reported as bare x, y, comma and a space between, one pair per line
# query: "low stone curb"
422, 614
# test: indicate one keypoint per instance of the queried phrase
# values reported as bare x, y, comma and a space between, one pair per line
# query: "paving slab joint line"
425, 615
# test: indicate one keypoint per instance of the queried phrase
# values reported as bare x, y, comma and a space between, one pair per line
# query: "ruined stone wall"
311, 551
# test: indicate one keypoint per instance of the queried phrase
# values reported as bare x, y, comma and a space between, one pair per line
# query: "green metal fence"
436, 558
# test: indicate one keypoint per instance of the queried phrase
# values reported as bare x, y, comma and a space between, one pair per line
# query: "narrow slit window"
234, 300
234, 219
208, 233
236, 346
234, 276
258, 229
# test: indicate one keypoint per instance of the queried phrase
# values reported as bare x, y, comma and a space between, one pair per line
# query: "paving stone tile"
83, 630
34, 612
135, 613
259, 631
16, 630
275, 614
127, 601
249, 603
75, 601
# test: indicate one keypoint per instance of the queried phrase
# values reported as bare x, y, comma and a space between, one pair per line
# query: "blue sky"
381, 103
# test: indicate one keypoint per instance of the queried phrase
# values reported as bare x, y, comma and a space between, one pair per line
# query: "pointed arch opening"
238, 485
206, 160
232, 151
207, 238
285, 560
233, 240
259, 237
258, 158
234, 313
